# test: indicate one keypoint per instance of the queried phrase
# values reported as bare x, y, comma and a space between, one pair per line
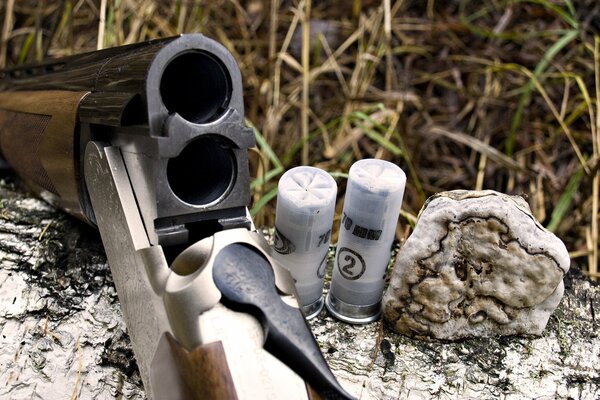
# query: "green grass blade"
263, 201
264, 146
570, 7
382, 141
268, 151
567, 15
526, 96
341, 175
374, 135
469, 22
25, 49
564, 203
261, 180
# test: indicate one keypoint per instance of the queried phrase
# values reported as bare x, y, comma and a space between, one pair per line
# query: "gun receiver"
148, 143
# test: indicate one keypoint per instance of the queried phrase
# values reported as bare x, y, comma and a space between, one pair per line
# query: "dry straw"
476, 95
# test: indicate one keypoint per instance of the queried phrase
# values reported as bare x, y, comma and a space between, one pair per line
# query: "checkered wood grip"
20, 138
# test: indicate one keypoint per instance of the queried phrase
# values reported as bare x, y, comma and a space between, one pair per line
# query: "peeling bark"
62, 333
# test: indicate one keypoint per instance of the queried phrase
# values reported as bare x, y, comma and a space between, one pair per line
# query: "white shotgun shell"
371, 209
303, 221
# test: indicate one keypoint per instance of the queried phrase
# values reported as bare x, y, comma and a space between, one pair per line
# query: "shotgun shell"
305, 208
371, 208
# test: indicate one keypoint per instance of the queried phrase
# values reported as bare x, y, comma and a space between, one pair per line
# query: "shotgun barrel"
175, 108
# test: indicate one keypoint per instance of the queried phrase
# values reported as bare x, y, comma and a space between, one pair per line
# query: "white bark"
61, 331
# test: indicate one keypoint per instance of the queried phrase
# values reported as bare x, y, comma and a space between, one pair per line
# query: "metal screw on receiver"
304, 217
371, 209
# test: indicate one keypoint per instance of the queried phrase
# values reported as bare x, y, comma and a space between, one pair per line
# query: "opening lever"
247, 284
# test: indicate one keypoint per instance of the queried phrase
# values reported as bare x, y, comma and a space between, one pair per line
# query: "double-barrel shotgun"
147, 142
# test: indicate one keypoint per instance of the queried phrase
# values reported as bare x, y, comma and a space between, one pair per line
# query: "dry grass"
496, 95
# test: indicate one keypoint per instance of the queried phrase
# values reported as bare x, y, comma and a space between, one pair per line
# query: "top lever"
246, 281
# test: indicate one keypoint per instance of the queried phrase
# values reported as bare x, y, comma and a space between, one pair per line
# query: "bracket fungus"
478, 264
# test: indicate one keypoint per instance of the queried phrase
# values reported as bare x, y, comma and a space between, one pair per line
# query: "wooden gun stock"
205, 374
204, 371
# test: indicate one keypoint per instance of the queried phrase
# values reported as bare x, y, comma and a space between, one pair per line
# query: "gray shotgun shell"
303, 221
371, 209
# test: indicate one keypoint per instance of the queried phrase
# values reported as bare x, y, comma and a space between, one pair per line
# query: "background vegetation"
498, 94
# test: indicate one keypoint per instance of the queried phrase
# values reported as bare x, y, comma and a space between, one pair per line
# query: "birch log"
62, 334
